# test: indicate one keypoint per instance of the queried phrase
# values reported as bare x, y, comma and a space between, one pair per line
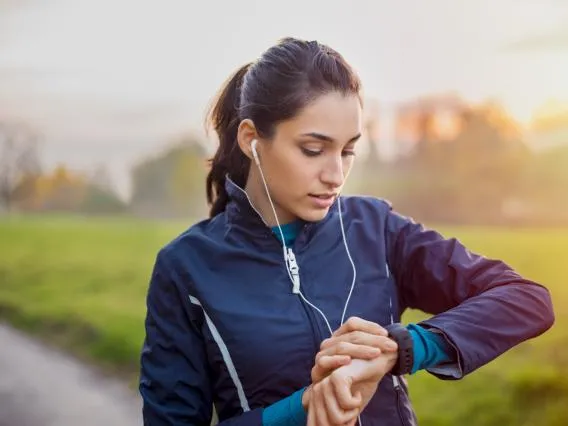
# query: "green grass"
81, 284
80, 281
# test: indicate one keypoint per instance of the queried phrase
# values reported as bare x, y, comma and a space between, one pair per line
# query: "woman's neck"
259, 199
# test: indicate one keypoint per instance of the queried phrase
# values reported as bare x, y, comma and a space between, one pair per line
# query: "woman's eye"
311, 152
348, 153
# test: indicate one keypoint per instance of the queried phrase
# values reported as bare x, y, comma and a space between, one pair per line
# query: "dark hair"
270, 90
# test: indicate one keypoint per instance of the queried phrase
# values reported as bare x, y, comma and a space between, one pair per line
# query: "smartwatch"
403, 339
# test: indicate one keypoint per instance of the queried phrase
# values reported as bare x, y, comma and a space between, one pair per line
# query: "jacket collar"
240, 209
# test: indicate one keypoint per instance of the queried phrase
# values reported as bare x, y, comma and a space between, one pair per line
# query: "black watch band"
403, 339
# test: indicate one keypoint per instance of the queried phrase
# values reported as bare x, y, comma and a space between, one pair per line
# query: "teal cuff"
430, 349
286, 412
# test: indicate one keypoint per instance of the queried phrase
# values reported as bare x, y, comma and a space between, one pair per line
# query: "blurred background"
103, 157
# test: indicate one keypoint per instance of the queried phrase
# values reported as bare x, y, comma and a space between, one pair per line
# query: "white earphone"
254, 153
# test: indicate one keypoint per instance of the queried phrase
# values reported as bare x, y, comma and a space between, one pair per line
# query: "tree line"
484, 174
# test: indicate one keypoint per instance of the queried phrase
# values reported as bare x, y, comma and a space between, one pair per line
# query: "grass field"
81, 284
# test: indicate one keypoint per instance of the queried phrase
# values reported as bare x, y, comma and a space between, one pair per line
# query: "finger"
359, 324
342, 391
311, 412
320, 408
359, 338
329, 359
342, 346
325, 364
311, 417
352, 422
336, 414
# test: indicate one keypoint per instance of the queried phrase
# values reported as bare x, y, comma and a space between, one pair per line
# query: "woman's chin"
313, 215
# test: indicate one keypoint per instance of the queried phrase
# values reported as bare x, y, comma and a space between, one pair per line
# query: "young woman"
283, 307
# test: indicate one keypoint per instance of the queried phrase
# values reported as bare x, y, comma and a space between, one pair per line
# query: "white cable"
286, 257
350, 259
296, 284
354, 271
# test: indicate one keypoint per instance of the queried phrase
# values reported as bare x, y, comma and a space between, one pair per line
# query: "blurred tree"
372, 132
551, 115
101, 179
486, 161
545, 186
463, 168
19, 161
171, 184
101, 196
98, 200
64, 190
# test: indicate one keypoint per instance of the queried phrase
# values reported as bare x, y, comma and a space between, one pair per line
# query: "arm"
481, 306
174, 380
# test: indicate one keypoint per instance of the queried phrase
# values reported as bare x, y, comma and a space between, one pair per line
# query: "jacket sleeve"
480, 305
175, 383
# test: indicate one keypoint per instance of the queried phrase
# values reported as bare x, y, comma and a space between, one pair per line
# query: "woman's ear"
246, 133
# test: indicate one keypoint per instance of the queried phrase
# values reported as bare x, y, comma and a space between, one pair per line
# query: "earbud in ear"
254, 153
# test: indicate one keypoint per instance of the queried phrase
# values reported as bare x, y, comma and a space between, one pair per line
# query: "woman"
283, 307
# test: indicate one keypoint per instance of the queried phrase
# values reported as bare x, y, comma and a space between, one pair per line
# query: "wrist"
306, 397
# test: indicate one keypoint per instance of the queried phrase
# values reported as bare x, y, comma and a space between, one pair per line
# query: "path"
40, 386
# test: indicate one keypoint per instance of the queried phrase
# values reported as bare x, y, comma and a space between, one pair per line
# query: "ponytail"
224, 118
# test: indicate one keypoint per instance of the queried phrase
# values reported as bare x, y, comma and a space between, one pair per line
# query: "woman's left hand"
324, 408
340, 397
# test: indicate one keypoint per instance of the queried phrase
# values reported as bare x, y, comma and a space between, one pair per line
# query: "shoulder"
364, 216
379, 215
187, 244
365, 205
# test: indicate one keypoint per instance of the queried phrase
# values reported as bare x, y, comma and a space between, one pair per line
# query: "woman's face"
307, 161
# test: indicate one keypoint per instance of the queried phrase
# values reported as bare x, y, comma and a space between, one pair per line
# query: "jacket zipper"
310, 314
312, 317
398, 390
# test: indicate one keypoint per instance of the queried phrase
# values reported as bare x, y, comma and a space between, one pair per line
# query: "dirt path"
42, 387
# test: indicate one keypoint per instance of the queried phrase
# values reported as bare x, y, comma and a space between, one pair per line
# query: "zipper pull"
396, 382
294, 270
296, 284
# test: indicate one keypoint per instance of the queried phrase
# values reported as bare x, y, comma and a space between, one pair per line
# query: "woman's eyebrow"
326, 138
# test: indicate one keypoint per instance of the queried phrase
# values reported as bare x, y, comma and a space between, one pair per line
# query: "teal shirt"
290, 231
430, 349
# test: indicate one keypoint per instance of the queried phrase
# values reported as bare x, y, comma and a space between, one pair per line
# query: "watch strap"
403, 339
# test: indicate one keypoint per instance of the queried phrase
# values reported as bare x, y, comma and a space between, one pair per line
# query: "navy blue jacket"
224, 328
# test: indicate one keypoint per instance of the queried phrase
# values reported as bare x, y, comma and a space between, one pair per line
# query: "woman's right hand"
355, 339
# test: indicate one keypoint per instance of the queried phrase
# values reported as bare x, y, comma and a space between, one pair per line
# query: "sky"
109, 81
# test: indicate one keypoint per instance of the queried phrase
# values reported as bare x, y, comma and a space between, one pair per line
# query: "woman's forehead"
334, 115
